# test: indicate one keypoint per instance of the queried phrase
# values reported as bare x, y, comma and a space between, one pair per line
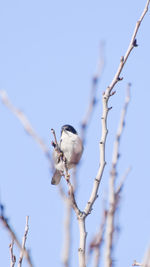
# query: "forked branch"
13, 236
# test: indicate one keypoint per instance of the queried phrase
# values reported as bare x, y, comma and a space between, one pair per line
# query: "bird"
71, 147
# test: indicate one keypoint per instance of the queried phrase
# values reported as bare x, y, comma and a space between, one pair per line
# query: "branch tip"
120, 79
122, 59
111, 94
135, 43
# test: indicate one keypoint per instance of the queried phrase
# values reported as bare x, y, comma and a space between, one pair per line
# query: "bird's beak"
64, 130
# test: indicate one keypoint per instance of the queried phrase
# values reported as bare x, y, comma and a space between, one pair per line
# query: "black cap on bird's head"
68, 128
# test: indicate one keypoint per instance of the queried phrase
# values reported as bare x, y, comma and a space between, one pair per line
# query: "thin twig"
14, 237
55, 144
121, 184
113, 194
23, 242
135, 263
12, 256
26, 124
133, 43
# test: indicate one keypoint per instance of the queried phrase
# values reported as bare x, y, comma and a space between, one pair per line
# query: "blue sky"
49, 53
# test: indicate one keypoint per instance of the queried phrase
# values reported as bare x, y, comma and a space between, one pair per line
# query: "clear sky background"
48, 55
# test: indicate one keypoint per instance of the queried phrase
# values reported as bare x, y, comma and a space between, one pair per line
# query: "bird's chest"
67, 145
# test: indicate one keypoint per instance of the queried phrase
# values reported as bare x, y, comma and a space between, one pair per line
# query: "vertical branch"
112, 192
82, 242
23, 242
102, 143
84, 124
88, 207
12, 256
67, 228
67, 233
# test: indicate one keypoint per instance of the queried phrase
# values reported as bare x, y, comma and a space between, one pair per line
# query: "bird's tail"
56, 178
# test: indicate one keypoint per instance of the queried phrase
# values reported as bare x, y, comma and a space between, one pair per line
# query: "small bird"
71, 147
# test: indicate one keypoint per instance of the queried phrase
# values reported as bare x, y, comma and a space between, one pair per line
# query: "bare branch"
102, 143
113, 194
23, 242
14, 237
133, 43
26, 124
12, 256
72, 199
67, 232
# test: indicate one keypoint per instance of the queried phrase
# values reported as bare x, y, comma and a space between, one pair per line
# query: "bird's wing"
56, 178
78, 150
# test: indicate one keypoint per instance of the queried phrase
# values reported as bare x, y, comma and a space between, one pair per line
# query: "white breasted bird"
71, 146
